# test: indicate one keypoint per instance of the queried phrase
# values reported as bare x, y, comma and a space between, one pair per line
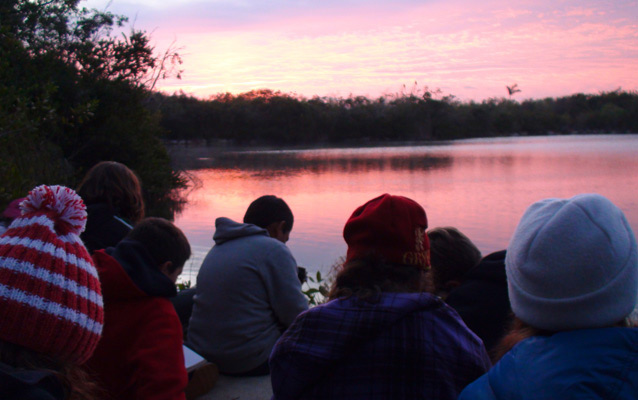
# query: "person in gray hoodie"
247, 291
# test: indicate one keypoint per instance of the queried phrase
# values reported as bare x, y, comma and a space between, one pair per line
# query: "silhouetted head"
273, 214
388, 250
165, 242
114, 184
452, 255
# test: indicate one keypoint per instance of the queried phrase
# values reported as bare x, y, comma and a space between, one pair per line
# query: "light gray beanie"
572, 264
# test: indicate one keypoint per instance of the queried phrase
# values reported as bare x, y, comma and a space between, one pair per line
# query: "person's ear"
166, 267
276, 231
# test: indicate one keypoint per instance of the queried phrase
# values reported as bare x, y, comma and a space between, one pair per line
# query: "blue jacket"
402, 346
581, 364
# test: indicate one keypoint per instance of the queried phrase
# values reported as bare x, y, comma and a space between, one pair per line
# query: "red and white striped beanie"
50, 296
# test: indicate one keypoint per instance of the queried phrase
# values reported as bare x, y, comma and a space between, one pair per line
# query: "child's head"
271, 213
165, 242
114, 184
387, 247
572, 264
50, 295
452, 255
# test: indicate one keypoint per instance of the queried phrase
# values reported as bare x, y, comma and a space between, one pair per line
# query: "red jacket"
140, 354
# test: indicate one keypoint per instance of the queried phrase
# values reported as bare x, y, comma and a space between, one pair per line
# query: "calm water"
480, 186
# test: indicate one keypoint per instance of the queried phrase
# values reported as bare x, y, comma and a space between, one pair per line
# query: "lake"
480, 186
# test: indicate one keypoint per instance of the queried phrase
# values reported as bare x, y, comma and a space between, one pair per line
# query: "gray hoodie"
247, 294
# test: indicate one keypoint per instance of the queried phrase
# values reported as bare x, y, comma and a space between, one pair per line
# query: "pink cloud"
470, 49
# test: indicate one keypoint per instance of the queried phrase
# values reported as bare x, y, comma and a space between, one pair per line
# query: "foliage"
183, 285
419, 114
316, 289
72, 94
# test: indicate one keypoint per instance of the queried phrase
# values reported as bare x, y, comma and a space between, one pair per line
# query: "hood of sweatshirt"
140, 267
226, 229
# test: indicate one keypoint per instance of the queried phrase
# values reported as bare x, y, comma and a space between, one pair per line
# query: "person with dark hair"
481, 300
476, 288
273, 214
247, 290
572, 275
452, 255
51, 313
113, 195
381, 335
140, 355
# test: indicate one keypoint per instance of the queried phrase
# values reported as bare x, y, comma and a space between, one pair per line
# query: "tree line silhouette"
275, 118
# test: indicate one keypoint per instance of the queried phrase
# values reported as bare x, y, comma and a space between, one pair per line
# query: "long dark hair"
366, 279
115, 184
76, 381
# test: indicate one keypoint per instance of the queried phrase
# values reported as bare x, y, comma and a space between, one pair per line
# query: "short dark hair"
163, 240
268, 209
452, 255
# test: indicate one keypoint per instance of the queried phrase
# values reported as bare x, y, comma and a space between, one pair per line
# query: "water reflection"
318, 162
480, 186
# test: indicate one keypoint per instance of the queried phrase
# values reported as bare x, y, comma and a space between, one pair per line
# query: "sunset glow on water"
481, 187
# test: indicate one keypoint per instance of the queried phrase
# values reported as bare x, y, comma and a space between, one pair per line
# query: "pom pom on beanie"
572, 264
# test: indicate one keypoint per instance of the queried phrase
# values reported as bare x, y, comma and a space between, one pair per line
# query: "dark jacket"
572, 365
21, 384
103, 228
403, 346
140, 355
481, 300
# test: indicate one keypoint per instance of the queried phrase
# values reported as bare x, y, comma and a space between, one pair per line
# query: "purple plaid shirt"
403, 346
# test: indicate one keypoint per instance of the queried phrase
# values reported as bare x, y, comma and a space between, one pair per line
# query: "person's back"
247, 290
140, 355
381, 335
481, 299
579, 364
399, 346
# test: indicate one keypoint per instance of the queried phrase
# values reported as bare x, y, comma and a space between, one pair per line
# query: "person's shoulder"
157, 312
271, 247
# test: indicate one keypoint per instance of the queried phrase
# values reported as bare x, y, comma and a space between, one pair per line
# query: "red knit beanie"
391, 228
50, 297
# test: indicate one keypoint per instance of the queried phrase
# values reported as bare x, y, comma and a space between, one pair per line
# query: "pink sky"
469, 49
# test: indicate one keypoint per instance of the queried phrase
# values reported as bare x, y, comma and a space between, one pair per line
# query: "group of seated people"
88, 303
